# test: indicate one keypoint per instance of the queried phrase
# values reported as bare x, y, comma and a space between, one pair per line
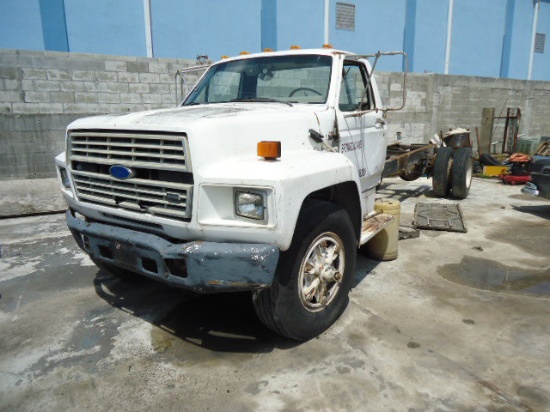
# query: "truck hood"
180, 119
226, 130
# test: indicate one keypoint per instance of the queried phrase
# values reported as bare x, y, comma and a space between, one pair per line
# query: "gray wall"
41, 92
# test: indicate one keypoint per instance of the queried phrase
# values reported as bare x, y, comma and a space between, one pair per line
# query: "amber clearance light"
269, 150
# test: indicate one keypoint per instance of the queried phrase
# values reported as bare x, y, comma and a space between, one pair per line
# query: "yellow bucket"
383, 246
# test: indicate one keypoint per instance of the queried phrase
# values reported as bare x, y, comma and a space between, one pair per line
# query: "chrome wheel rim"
321, 272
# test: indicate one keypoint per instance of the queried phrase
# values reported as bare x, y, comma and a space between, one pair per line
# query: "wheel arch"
344, 195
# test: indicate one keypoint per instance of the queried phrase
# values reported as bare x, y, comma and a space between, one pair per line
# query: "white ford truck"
263, 179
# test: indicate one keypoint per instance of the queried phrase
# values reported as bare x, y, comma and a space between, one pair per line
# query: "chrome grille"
155, 151
162, 185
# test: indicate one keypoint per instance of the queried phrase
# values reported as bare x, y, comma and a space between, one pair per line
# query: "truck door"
362, 136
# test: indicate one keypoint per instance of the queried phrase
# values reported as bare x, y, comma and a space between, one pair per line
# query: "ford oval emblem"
121, 172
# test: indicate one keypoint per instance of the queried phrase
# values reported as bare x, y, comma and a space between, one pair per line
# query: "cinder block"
91, 86
83, 75
38, 97
9, 73
56, 74
150, 98
106, 76
137, 67
112, 87
85, 97
24, 108
115, 66
75, 108
128, 77
138, 88
162, 67
50, 108
130, 98
71, 86
159, 88
47, 85
169, 100
167, 78
62, 97
5, 108
149, 77
9, 84
108, 98
39, 74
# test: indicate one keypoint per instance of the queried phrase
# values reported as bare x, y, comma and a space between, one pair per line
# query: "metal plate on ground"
437, 216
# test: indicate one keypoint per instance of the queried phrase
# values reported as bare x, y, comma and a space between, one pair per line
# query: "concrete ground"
30, 196
459, 321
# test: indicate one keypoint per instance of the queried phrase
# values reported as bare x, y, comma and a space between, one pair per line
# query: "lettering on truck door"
361, 137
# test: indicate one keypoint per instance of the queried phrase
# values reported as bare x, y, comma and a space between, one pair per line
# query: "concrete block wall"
42, 92
438, 102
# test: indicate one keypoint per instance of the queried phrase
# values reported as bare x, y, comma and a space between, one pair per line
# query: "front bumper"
530, 189
199, 266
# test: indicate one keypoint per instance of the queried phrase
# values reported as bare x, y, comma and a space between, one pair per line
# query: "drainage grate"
437, 216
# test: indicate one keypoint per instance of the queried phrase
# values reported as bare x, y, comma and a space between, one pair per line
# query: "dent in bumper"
200, 266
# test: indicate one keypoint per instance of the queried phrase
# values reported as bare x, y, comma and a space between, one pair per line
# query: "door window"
352, 91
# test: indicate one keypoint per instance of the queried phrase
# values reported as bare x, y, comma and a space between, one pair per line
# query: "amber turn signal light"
269, 150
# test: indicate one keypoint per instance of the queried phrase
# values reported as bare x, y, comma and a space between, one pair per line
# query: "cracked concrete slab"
29, 197
458, 322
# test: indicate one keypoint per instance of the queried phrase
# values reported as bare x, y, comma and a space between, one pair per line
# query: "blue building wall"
489, 37
106, 27
54, 25
377, 27
477, 40
541, 62
300, 23
187, 28
430, 36
20, 25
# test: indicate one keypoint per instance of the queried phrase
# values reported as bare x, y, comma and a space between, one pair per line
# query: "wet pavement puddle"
489, 275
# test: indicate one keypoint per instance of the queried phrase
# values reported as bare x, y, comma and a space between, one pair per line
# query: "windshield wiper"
260, 99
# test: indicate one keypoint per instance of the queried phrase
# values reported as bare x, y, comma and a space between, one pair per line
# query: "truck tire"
461, 172
314, 275
442, 171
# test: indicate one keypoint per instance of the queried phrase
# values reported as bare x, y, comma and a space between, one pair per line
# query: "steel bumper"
199, 266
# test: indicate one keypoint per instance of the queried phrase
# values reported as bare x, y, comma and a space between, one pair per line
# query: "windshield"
286, 79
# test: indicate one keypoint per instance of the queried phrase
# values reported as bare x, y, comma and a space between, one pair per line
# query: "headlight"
250, 205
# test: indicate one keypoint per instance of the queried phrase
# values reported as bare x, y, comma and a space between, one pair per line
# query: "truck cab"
262, 179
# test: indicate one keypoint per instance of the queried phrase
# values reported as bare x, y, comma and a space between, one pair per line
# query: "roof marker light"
327, 46
267, 49
244, 52
269, 150
295, 47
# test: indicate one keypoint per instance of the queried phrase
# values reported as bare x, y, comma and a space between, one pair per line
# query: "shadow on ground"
538, 210
401, 194
219, 322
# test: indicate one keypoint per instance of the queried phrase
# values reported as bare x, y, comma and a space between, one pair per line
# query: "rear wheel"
461, 172
442, 171
313, 277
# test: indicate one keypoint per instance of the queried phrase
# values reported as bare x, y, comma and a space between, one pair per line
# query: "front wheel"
314, 276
